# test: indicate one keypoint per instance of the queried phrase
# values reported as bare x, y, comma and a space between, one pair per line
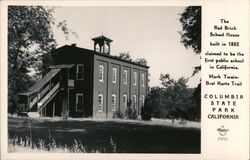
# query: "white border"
3, 86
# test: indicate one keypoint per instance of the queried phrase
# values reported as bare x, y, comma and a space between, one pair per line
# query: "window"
101, 68
100, 102
125, 76
97, 48
143, 79
142, 100
79, 102
102, 49
125, 101
134, 101
114, 75
135, 78
113, 100
79, 71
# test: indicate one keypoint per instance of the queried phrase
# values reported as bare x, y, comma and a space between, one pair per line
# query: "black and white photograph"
104, 79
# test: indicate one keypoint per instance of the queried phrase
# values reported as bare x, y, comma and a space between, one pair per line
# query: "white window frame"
143, 79
142, 100
113, 102
101, 73
79, 94
125, 101
77, 71
114, 74
125, 76
134, 102
135, 78
100, 105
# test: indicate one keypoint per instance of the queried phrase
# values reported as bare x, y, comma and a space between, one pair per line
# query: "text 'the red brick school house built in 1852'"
87, 83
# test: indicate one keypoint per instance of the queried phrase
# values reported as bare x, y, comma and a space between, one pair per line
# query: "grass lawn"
129, 136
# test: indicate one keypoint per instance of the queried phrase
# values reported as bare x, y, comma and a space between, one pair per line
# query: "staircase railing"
48, 95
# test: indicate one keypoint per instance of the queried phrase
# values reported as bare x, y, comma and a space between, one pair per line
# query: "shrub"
118, 114
132, 114
147, 110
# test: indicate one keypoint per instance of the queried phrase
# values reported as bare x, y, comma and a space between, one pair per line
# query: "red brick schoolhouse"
87, 83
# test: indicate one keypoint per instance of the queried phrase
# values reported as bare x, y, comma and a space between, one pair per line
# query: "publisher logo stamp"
222, 131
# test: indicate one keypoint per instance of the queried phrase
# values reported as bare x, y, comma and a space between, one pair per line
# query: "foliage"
66, 30
174, 100
191, 37
27, 27
141, 61
197, 101
178, 98
118, 114
130, 112
133, 132
125, 56
196, 69
155, 98
153, 104
191, 28
113, 144
26, 145
30, 36
147, 109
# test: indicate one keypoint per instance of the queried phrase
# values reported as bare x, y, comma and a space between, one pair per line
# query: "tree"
153, 104
197, 102
177, 96
173, 100
30, 36
191, 30
125, 56
130, 112
191, 37
141, 61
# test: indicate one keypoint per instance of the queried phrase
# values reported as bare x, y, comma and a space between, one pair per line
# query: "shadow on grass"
128, 137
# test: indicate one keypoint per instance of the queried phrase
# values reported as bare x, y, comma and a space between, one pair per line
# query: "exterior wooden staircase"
41, 93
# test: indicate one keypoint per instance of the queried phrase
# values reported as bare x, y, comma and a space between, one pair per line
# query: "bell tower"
102, 44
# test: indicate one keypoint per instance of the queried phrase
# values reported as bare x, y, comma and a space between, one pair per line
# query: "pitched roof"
102, 38
70, 49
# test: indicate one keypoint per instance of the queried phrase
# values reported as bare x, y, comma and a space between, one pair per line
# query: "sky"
144, 32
